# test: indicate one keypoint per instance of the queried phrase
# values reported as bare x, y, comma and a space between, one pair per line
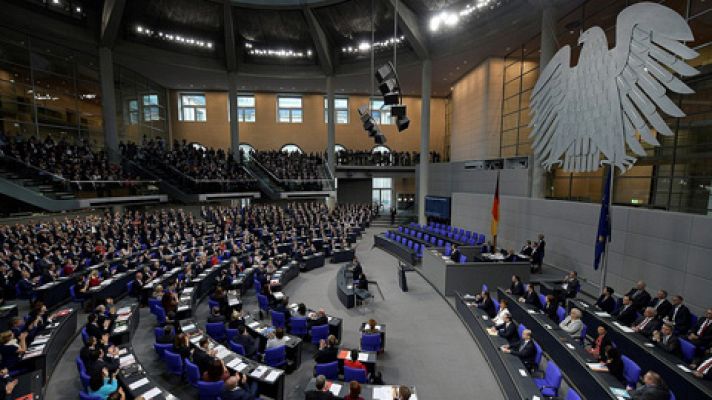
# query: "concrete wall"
476, 114
354, 191
446, 178
666, 249
268, 134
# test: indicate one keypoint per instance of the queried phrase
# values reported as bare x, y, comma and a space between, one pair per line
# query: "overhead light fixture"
173, 37
281, 53
402, 121
365, 46
452, 18
370, 126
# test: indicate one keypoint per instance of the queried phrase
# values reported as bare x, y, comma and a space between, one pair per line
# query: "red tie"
703, 328
705, 366
645, 322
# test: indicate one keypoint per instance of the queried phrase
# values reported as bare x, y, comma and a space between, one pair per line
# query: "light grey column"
424, 139
537, 173
234, 122
330, 125
108, 103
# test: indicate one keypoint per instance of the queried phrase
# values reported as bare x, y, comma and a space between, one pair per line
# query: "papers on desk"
684, 368
196, 339
221, 352
570, 346
623, 328
273, 375
648, 344
122, 352
349, 287
602, 314
522, 372
485, 317
620, 393
492, 332
335, 388
188, 327
40, 340
120, 329
138, 383
232, 302
531, 311
183, 307
598, 367
383, 393
362, 356
377, 327
152, 393
253, 324
258, 372
126, 360
234, 363
547, 326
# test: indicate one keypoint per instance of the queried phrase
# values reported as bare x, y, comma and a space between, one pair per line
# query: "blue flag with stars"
604, 221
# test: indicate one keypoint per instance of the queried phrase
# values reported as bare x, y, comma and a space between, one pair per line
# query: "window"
380, 149
133, 112
192, 107
150, 108
289, 109
291, 148
381, 113
245, 108
341, 105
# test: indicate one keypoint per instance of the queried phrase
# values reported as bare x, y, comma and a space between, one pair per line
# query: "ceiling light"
452, 18
364, 46
55, 1
78, 9
139, 29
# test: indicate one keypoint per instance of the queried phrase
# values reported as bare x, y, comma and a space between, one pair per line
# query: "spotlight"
380, 139
385, 71
370, 126
402, 121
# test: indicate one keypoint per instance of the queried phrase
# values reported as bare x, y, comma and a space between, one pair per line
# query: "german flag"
495, 213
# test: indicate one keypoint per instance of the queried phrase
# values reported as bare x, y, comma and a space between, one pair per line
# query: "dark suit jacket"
318, 395
216, 318
550, 311
672, 346
641, 300
508, 332
455, 256
706, 337
488, 306
682, 320
326, 355
248, 342
201, 359
663, 309
238, 394
626, 316
527, 354
517, 289
317, 321
606, 304
532, 299
571, 288
166, 339
650, 393
653, 325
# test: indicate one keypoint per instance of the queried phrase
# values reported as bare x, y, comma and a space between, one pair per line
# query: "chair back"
216, 330
85, 378
355, 374
485, 288
231, 333
561, 313
688, 350
158, 332
553, 378
537, 357
371, 342
631, 371
319, 332
160, 315
672, 396
276, 356
521, 329
236, 347
152, 304
85, 335
448, 249
210, 390
173, 362
572, 395
584, 330
258, 286
329, 370
693, 319
463, 259
278, 319
192, 373
212, 304
298, 326
496, 305
80, 364
542, 299
129, 287
161, 349
263, 302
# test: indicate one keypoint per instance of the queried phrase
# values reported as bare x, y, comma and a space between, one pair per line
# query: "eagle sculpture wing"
548, 102
648, 53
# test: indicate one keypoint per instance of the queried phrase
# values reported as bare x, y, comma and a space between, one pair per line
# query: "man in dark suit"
703, 370
357, 269
646, 324
319, 393
247, 341
661, 304
508, 330
202, 355
216, 316
531, 297
701, 334
570, 285
328, 350
679, 315
526, 249
237, 388
536, 259
516, 288
626, 315
667, 340
317, 319
94, 329
605, 301
524, 349
653, 389
455, 254
639, 296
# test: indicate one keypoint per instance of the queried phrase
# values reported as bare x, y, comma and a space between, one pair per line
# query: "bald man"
237, 388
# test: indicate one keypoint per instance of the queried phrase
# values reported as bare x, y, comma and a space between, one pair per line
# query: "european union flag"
604, 221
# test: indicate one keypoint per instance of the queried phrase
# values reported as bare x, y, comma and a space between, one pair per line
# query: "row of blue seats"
415, 246
452, 232
472, 240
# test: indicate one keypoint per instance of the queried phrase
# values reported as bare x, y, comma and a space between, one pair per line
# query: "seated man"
237, 388
507, 330
319, 392
570, 284
216, 316
701, 334
605, 301
661, 304
328, 351
653, 388
455, 254
572, 324
679, 315
203, 355
524, 349
667, 340
247, 341
531, 297
626, 314
703, 366
639, 296
646, 324
317, 319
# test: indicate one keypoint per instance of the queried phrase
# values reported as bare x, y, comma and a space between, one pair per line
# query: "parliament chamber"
355, 199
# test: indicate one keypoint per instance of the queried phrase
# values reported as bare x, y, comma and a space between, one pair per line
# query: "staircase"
29, 187
265, 183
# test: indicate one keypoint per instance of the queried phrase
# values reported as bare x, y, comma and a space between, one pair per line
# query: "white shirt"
499, 318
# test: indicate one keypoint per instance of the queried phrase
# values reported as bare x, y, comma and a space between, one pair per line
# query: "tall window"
289, 109
150, 108
382, 192
245, 108
381, 113
341, 107
133, 112
192, 107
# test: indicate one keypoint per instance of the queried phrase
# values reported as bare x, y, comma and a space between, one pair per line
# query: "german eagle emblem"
586, 115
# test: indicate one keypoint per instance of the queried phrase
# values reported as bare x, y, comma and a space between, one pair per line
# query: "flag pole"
604, 266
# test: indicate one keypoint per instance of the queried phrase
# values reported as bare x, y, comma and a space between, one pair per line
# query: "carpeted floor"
426, 343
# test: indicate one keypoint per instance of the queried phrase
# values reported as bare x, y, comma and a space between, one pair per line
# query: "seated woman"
551, 307
354, 391
484, 302
353, 362
94, 279
236, 320
276, 339
158, 292
614, 363
503, 310
11, 348
600, 344
216, 371
101, 384
181, 345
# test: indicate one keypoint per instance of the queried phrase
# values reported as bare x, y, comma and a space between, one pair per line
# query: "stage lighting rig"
389, 86
370, 126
